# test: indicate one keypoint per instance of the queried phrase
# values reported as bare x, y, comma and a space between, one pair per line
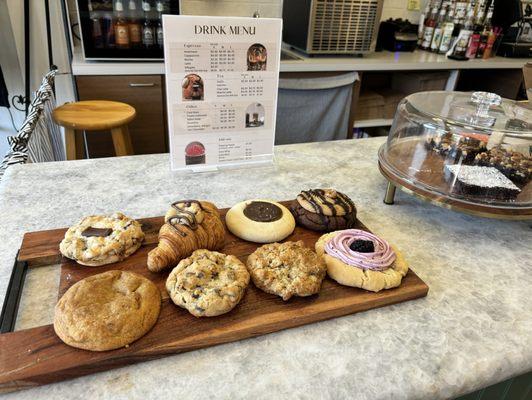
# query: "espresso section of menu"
222, 80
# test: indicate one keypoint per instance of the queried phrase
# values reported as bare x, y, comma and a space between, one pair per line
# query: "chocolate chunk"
262, 211
98, 232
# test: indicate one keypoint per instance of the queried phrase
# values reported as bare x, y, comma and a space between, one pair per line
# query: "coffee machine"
515, 17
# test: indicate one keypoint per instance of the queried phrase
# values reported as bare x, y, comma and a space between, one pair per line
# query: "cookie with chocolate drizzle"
324, 210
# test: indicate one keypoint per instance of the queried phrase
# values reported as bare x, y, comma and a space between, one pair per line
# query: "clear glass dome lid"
469, 151
480, 111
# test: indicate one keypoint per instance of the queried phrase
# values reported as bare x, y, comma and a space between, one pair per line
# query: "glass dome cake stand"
464, 151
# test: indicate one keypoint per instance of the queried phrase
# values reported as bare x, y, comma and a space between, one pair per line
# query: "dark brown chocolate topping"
318, 200
262, 211
98, 232
184, 217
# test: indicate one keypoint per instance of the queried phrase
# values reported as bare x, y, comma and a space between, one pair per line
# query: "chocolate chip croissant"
189, 225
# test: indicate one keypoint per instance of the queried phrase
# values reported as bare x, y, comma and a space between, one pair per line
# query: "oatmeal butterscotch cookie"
107, 311
287, 269
208, 283
102, 239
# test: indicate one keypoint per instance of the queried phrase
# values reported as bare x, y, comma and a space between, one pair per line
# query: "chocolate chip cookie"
286, 269
324, 210
102, 239
107, 311
208, 283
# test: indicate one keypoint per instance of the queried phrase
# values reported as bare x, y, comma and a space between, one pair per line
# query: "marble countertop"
376, 61
473, 329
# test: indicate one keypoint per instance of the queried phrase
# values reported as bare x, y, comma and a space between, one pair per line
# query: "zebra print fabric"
38, 139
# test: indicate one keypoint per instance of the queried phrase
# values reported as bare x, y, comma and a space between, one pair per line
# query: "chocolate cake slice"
470, 180
454, 147
514, 165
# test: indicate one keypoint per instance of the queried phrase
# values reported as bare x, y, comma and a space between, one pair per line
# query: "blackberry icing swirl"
339, 247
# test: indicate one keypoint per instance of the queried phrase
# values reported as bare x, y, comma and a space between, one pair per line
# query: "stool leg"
122, 141
80, 145
70, 143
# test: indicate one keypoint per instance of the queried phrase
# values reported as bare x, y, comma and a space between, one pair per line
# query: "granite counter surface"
473, 329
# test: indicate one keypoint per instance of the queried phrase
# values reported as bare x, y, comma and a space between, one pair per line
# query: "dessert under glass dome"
466, 151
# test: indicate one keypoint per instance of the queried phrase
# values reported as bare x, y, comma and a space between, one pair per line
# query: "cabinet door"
145, 93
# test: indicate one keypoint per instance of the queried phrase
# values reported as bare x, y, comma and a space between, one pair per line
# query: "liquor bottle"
460, 12
477, 31
421, 26
96, 28
428, 32
135, 30
121, 27
159, 27
484, 36
108, 30
148, 34
447, 32
461, 44
438, 30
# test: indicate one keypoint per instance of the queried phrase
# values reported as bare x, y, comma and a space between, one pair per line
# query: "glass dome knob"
485, 100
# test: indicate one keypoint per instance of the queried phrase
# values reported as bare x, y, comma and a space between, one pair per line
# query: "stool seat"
93, 115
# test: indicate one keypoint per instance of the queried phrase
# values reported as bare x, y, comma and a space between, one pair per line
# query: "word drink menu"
222, 75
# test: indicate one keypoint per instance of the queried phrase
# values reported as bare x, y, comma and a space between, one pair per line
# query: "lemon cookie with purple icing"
360, 259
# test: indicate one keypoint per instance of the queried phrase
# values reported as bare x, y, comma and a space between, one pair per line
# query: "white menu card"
222, 75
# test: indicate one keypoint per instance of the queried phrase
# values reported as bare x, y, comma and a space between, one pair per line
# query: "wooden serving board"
37, 356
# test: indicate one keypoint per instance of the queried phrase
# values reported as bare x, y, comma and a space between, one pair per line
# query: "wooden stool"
95, 115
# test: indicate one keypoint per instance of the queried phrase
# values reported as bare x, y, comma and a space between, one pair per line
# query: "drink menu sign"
222, 75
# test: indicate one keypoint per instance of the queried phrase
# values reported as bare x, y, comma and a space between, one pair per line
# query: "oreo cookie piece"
324, 210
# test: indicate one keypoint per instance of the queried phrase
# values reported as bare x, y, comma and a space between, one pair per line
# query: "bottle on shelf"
492, 35
460, 46
428, 31
484, 36
421, 27
477, 31
447, 32
148, 32
96, 28
121, 27
108, 30
460, 12
135, 29
159, 27
438, 29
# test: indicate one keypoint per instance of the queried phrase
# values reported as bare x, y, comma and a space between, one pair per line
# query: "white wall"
398, 9
239, 8
12, 54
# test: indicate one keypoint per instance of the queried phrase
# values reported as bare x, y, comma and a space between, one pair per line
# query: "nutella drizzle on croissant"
318, 199
184, 217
